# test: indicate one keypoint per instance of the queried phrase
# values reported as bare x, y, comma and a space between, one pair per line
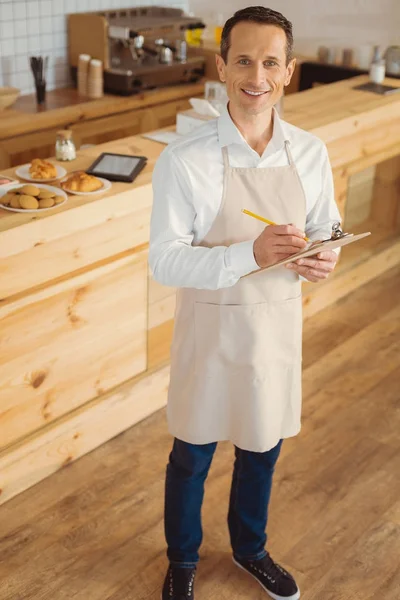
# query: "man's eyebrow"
266, 58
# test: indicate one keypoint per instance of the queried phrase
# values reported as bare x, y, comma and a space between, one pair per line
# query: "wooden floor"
94, 531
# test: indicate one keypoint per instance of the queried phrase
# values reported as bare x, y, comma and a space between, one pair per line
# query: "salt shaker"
377, 68
65, 147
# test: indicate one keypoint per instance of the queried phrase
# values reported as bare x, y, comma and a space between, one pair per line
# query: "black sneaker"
178, 583
277, 582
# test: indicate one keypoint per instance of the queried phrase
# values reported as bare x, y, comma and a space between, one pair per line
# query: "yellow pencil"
251, 214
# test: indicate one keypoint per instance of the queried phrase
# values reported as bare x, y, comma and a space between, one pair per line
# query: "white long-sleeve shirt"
187, 193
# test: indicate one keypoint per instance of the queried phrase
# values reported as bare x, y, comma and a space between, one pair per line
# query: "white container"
377, 71
83, 71
95, 79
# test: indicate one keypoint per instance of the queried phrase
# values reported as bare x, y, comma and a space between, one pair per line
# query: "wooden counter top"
65, 106
338, 110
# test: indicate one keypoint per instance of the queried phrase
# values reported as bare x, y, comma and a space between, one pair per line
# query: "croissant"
81, 182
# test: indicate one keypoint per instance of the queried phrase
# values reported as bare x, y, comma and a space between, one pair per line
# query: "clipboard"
337, 240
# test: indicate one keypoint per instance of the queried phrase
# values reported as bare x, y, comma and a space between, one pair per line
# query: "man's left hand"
315, 268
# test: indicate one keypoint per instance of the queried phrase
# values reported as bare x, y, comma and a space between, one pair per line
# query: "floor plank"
94, 531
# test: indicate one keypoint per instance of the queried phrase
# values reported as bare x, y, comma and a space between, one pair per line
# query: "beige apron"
236, 352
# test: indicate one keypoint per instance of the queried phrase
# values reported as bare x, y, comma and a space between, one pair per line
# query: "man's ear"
289, 71
221, 67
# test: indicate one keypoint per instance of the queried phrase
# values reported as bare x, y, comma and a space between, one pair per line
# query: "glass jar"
65, 147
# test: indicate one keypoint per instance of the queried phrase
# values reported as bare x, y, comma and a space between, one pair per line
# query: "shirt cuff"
239, 259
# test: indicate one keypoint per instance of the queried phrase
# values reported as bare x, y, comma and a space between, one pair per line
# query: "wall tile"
19, 10
45, 8
34, 45
20, 28
6, 12
7, 47
21, 63
7, 64
33, 9
6, 30
21, 46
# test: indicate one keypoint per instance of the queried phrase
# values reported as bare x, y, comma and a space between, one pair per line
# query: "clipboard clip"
337, 233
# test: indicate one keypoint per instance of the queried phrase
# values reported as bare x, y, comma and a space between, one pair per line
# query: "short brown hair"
257, 14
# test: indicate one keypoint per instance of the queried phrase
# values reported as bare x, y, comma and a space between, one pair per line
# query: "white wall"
315, 22
39, 27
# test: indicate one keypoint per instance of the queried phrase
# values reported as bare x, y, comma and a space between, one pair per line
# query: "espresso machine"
141, 48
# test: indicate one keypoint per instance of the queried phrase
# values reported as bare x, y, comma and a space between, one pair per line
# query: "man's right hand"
276, 243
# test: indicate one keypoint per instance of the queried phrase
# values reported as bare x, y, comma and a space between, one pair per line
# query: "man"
236, 350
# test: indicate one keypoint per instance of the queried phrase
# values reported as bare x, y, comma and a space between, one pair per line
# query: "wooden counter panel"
40, 251
18, 149
365, 143
161, 311
157, 291
69, 109
76, 434
71, 342
165, 114
159, 344
100, 131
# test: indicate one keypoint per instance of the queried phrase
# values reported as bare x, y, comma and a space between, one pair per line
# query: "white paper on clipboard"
330, 245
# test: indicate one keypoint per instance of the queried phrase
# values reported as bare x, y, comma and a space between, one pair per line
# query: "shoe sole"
295, 596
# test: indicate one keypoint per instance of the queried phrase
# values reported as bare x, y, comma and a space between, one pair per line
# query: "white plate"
23, 173
6, 188
106, 186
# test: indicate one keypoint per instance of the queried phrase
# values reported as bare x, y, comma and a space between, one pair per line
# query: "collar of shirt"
229, 134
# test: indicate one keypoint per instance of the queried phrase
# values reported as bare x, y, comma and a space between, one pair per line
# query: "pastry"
29, 190
14, 203
58, 199
46, 202
46, 194
28, 202
42, 169
82, 182
6, 199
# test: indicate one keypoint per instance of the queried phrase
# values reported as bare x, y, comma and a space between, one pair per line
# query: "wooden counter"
23, 137
86, 332
65, 106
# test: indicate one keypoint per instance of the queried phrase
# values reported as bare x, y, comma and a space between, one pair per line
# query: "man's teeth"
255, 93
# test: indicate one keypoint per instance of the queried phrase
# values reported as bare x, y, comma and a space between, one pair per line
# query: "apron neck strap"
288, 152
225, 157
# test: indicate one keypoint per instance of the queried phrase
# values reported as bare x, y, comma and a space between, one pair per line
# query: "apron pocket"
235, 337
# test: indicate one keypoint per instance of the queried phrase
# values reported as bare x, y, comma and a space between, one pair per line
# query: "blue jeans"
248, 507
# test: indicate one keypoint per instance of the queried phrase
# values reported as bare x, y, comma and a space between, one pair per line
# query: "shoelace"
269, 568
181, 583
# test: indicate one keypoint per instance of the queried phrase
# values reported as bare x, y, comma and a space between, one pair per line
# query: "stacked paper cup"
83, 73
95, 79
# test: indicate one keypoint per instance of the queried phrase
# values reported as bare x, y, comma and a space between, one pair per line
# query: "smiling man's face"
256, 70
